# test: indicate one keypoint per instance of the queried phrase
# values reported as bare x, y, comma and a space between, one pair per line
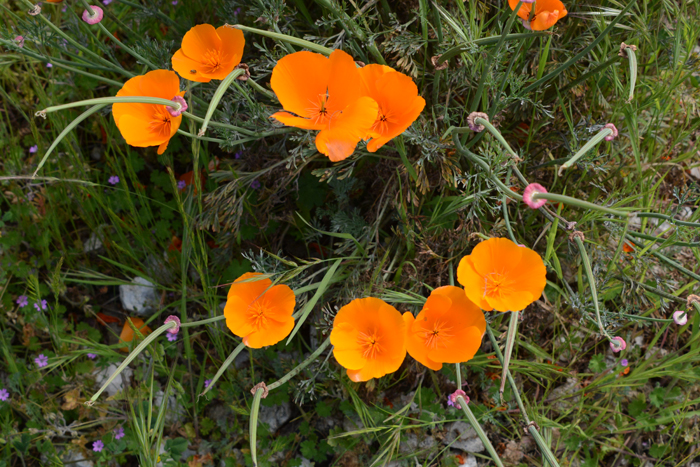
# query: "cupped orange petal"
200, 40
448, 329
209, 53
188, 68
524, 11
300, 81
545, 20
368, 338
503, 275
343, 82
233, 43
339, 141
259, 312
399, 106
298, 122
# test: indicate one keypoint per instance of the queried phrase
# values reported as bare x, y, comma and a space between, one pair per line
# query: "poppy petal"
185, 66
524, 11
300, 81
270, 335
298, 122
473, 282
469, 339
544, 20
135, 130
237, 317
343, 80
415, 343
232, 44
160, 83
339, 142
369, 76
199, 40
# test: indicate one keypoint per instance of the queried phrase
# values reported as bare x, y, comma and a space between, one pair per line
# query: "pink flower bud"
680, 317
452, 398
175, 319
614, 132
530, 190
94, 16
174, 111
617, 344
20, 41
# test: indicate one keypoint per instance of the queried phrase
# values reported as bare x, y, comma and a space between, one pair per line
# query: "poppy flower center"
212, 60
437, 337
369, 343
318, 112
160, 122
256, 313
495, 285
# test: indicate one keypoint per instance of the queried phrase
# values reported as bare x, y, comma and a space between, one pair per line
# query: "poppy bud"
530, 191
452, 398
617, 344
175, 319
680, 317
614, 132
175, 111
471, 121
94, 16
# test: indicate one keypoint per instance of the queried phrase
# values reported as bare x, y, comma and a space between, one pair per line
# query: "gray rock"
140, 298
120, 382
275, 416
562, 392
92, 244
306, 462
76, 459
469, 460
462, 436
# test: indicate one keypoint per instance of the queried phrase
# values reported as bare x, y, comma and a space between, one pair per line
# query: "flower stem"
600, 136
126, 48
591, 284
510, 341
254, 412
220, 91
223, 367
479, 431
497, 134
285, 38
487, 41
112, 100
132, 355
301, 366
578, 203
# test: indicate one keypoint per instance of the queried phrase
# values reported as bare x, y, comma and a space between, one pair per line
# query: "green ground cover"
252, 195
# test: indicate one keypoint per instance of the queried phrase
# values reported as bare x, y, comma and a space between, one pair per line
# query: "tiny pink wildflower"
452, 398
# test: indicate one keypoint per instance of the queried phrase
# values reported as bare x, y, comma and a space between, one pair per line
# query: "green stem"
600, 136
223, 367
285, 38
126, 48
591, 284
254, 413
479, 431
497, 134
220, 91
667, 218
111, 100
132, 355
269, 94
510, 342
578, 203
301, 366
204, 321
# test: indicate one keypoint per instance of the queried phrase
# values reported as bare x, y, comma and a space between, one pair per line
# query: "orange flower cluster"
345, 103
371, 338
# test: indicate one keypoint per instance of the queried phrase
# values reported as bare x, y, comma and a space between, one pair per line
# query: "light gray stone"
469, 460
562, 392
92, 244
120, 382
464, 437
76, 459
139, 297
275, 416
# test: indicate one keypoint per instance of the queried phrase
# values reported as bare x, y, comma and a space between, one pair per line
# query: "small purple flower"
113, 180
22, 301
92, 356
624, 362
48, 65
106, 2
172, 337
4, 394
207, 383
41, 361
181, 185
20, 41
237, 11
98, 445
174, 2
119, 431
42, 307
255, 184
238, 154
33, 149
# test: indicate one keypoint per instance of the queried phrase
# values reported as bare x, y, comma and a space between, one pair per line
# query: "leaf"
657, 450
657, 397
637, 407
597, 363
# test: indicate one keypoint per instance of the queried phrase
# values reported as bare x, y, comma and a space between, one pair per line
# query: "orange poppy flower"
127, 334
209, 53
501, 275
144, 125
547, 13
259, 312
322, 93
398, 100
369, 338
448, 329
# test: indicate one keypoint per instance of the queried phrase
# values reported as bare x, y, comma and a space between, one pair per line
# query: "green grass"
391, 224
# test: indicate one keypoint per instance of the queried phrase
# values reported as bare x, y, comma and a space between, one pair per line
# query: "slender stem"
220, 91
476, 159
510, 341
301, 366
261, 90
223, 367
578, 203
112, 100
590, 144
487, 41
126, 48
479, 431
132, 355
253, 431
204, 321
591, 284
667, 218
285, 38
497, 134
203, 138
